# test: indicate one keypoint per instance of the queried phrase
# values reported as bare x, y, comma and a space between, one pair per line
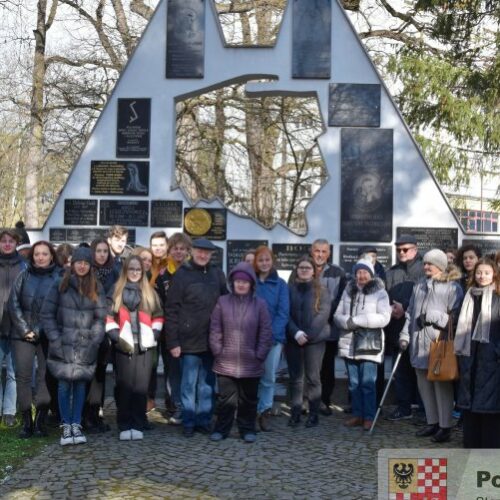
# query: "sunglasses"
404, 250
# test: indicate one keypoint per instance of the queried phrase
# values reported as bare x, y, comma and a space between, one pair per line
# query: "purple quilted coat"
240, 332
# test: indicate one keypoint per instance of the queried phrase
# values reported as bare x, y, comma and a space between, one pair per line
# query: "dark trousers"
132, 379
97, 386
305, 362
481, 430
405, 382
328, 371
24, 355
236, 394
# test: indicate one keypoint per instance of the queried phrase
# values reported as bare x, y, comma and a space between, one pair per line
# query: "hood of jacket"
246, 268
451, 273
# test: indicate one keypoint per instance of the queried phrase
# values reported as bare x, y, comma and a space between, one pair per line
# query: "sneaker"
78, 437
66, 437
176, 418
126, 435
264, 420
399, 414
9, 420
216, 436
136, 435
249, 437
353, 422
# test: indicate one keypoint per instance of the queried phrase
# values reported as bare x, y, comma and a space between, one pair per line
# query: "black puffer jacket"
26, 299
10, 266
74, 325
192, 295
479, 383
303, 315
400, 280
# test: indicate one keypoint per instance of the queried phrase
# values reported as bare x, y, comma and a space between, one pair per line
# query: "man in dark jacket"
11, 264
194, 291
333, 278
400, 279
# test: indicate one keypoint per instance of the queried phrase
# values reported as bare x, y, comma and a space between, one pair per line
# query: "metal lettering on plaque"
124, 212
166, 213
80, 212
185, 38
311, 38
130, 178
431, 237
366, 185
208, 223
354, 105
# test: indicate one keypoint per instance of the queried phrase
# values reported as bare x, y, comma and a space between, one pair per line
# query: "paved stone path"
330, 462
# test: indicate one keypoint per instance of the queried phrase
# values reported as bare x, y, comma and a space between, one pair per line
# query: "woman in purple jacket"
240, 339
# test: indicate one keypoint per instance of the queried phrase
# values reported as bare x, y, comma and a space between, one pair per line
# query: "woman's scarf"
481, 332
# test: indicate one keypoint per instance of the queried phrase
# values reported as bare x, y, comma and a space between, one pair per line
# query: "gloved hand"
350, 324
421, 321
403, 345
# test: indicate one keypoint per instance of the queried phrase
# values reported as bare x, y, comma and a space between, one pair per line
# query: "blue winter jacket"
274, 291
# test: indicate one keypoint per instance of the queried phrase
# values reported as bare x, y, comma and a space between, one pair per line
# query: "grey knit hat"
437, 257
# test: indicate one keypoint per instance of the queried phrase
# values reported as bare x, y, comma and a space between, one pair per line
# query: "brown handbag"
443, 365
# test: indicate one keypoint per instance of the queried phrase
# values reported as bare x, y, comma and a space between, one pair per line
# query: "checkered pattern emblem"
417, 479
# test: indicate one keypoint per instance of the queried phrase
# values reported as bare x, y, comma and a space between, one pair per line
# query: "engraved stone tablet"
431, 237
123, 212
207, 223
77, 235
488, 246
349, 255
185, 38
217, 259
80, 212
354, 105
166, 213
133, 128
130, 178
367, 185
311, 38
236, 250
287, 254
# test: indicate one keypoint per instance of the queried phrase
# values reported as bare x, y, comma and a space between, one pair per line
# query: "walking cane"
394, 368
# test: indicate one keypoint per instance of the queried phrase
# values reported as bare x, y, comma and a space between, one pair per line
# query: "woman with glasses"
364, 305
307, 332
134, 324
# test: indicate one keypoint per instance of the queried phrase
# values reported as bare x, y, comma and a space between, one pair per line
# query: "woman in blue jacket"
274, 291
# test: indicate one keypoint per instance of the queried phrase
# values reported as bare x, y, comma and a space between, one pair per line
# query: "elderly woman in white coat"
435, 301
364, 305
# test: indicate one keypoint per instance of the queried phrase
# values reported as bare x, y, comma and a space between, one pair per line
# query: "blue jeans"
362, 386
197, 389
268, 378
8, 395
71, 396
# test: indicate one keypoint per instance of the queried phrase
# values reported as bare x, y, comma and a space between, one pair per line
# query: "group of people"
67, 313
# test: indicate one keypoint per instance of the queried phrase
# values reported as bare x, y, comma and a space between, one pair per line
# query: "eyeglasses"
305, 268
404, 250
134, 270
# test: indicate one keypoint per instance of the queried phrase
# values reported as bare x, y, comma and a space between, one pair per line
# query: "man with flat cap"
192, 295
400, 280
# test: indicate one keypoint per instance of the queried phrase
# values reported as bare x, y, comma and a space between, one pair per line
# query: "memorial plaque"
487, 246
311, 38
236, 250
133, 128
349, 255
366, 185
207, 223
124, 212
287, 254
166, 213
354, 105
431, 237
185, 38
80, 212
217, 259
77, 235
121, 178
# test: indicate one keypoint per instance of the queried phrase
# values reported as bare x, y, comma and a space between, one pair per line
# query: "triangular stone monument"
378, 182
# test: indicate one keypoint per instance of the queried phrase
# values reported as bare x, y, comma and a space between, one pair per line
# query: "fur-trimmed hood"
370, 288
451, 273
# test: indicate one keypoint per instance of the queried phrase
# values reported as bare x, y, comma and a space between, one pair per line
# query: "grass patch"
16, 451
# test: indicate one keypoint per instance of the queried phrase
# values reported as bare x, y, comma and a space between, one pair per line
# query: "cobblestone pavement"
330, 461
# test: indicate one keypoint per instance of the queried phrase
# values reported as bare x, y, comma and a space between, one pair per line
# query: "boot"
428, 430
265, 421
39, 428
294, 419
442, 435
27, 430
